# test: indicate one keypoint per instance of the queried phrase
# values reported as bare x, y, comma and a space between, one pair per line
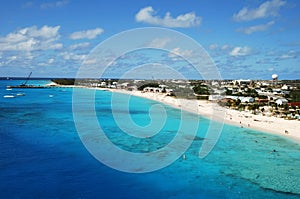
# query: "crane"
24, 84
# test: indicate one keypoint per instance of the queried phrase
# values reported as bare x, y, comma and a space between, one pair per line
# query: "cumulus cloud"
72, 56
220, 50
213, 46
90, 61
50, 61
18, 58
11, 59
79, 46
177, 53
147, 15
31, 38
46, 62
159, 42
257, 28
56, 4
240, 51
266, 9
29, 46
86, 34
289, 55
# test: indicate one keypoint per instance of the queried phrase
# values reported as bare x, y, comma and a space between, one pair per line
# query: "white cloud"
266, 9
159, 42
258, 28
28, 4
213, 46
240, 51
44, 32
289, 55
51, 61
72, 56
90, 61
46, 63
86, 34
31, 38
56, 4
79, 46
220, 49
30, 46
177, 53
147, 15
16, 59
11, 59
225, 47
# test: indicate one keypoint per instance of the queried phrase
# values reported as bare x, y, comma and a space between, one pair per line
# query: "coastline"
277, 126
266, 124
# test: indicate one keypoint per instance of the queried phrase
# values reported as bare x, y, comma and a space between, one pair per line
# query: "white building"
281, 101
103, 84
215, 97
153, 89
247, 99
285, 87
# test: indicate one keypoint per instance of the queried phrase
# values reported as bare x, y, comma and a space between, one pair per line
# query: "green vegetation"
228, 92
64, 81
251, 93
185, 92
294, 96
201, 89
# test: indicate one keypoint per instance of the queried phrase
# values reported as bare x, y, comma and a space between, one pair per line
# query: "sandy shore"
279, 126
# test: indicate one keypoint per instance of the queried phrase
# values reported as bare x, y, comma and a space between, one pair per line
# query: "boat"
24, 85
9, 96
20, 94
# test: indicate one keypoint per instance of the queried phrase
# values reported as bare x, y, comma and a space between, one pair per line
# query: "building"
247, 99
281, 101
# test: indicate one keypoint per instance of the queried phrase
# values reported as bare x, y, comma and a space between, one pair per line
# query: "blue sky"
246, 39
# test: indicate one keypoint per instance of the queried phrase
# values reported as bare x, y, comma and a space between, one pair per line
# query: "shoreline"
272, 125
210, 110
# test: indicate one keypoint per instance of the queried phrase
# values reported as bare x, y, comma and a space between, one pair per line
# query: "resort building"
281, 101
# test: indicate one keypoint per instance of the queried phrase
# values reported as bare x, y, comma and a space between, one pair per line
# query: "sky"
250, 39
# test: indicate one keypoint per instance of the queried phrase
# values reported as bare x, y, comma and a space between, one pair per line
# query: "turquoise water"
42, 155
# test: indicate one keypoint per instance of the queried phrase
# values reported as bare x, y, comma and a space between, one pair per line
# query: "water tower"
275, 79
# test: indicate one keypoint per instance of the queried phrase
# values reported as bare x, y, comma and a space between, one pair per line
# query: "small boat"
20, 94
9, 89
9, 96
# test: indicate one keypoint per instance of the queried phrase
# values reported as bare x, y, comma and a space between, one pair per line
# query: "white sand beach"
269, 124
243, 119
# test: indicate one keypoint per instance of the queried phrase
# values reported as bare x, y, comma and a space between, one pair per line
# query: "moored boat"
24, 85
9, 96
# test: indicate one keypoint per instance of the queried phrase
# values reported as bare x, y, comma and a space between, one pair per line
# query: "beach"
211, 110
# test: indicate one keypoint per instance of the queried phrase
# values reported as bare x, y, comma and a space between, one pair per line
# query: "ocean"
42, 154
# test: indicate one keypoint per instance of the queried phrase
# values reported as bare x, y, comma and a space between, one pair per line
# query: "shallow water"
42, 155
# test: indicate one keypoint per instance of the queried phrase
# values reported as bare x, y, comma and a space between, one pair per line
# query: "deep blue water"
42, 156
